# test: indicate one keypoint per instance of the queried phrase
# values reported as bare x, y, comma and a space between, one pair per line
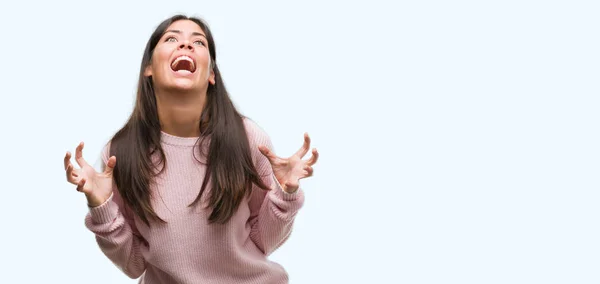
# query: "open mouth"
183, 64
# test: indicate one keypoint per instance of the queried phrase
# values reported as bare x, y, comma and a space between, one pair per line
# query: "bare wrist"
94, 201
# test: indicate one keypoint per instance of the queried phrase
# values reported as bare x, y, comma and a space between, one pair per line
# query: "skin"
180, 100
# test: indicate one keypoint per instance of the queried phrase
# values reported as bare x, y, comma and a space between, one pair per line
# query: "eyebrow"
179, 32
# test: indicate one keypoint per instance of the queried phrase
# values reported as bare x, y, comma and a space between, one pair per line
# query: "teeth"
183, 57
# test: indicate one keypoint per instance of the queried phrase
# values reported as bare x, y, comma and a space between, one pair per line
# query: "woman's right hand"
97, 187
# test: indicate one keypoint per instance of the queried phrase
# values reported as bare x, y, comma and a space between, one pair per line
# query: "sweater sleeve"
272, 212
115, 232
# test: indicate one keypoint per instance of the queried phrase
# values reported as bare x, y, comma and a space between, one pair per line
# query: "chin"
184, 85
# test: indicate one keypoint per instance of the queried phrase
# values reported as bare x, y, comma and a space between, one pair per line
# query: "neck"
179, 114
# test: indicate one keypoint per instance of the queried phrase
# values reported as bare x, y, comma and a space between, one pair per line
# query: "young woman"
190, 191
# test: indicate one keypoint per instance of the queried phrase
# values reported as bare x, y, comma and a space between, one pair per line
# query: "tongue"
182, 65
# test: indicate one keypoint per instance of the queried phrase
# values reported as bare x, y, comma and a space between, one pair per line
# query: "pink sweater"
187, 249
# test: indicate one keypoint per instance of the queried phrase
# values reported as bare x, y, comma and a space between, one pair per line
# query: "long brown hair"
229, 169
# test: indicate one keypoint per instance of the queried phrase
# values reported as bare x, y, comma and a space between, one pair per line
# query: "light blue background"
459, 139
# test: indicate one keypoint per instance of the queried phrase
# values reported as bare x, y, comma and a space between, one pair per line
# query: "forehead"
186, 27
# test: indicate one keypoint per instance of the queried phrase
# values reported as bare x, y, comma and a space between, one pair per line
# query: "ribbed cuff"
105, 212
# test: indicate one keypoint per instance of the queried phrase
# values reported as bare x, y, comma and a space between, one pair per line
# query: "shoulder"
256, 134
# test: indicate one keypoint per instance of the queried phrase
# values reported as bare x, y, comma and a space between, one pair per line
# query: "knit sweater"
187, 249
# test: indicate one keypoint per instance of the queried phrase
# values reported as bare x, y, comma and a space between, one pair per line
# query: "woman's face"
181, 61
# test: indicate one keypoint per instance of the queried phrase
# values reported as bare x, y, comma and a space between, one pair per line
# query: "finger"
304, 149
79, 156
267, 153
309, 171
67, 160
80, 185
110, 165
70, 177
313, 159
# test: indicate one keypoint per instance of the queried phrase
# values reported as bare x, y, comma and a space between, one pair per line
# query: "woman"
190, 190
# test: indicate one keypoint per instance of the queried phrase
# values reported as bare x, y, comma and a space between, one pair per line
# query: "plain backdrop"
459, 139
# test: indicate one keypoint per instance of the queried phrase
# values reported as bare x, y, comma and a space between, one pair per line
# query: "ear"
211, 78
148, 71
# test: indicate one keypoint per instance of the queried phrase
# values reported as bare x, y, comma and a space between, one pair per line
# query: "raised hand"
289, 171
97, 187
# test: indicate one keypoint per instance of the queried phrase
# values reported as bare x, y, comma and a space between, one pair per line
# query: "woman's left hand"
289, 171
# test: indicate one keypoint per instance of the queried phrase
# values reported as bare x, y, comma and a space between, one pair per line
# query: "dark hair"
229, 165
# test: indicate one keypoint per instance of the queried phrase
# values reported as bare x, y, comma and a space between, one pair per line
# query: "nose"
186, 45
